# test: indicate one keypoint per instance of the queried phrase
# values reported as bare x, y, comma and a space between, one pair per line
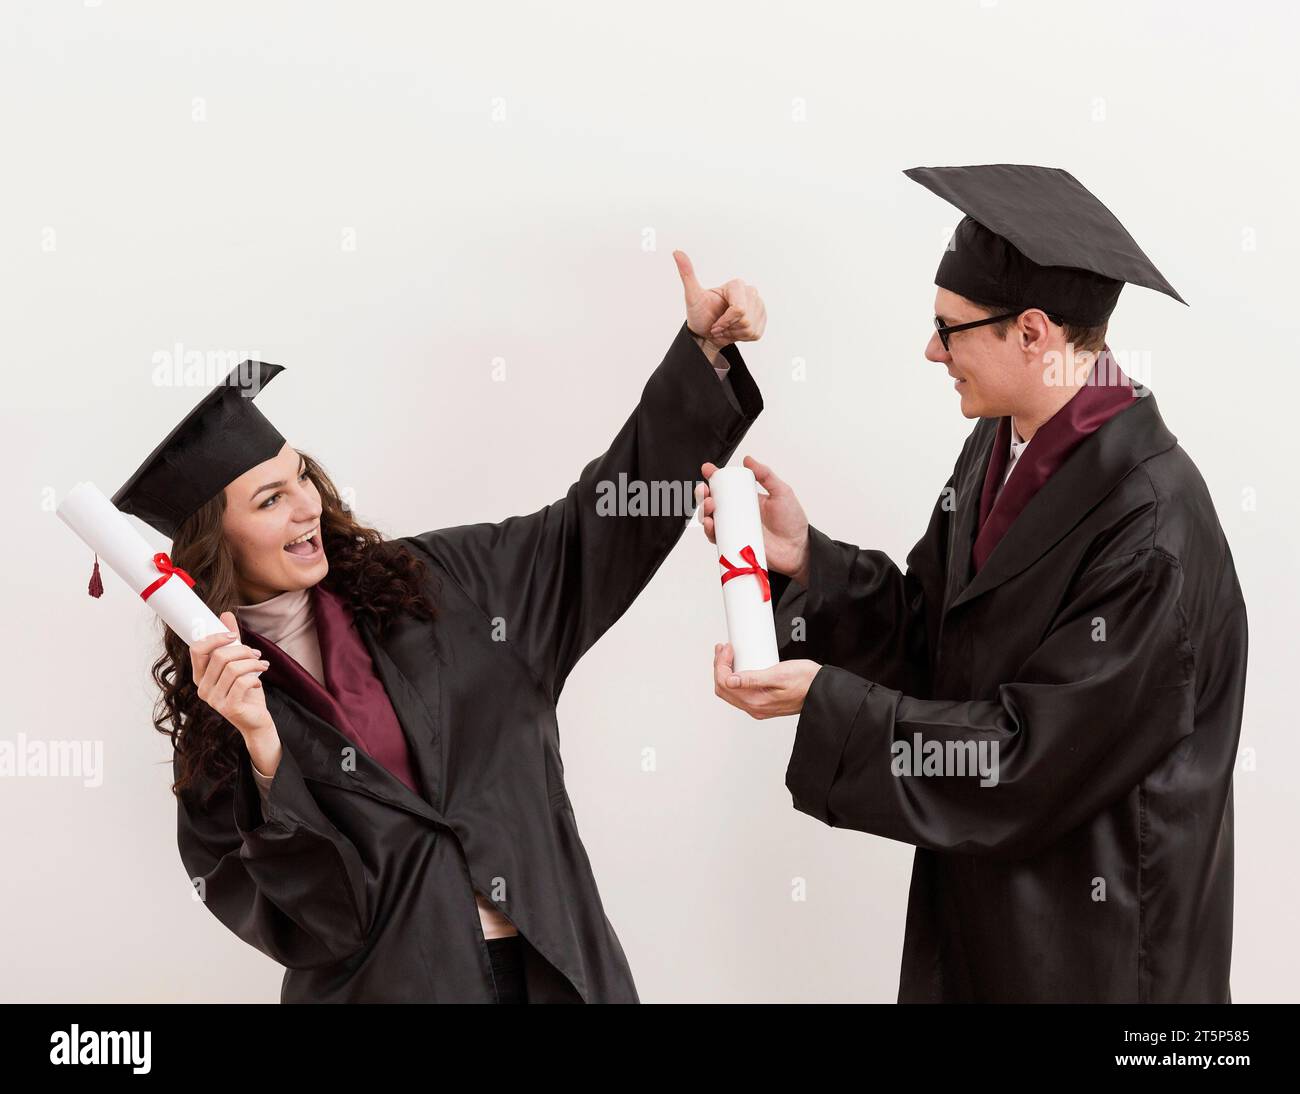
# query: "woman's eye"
267, 504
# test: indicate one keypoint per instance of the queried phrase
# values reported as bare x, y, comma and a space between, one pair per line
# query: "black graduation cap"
1033, 237
214, 444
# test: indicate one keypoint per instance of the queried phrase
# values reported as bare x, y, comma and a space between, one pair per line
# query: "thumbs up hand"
733, 312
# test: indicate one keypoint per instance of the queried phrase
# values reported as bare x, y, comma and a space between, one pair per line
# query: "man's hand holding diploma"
767, 693
785, 526
781, 689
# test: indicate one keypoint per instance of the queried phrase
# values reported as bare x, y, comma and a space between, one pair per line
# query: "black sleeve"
862, 613
1078, 726
555, 580
730, 392
290, 884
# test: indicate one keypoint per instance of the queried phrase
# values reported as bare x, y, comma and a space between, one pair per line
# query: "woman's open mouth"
308, 549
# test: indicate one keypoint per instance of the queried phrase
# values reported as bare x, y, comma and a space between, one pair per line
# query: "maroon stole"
354, 699
1107, 392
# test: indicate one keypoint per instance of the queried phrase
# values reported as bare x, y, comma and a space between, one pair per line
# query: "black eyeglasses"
945, 331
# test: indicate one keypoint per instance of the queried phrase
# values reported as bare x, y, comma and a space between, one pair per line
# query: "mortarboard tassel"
96, 583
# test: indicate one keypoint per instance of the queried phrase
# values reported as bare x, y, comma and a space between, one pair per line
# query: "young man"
1048, 702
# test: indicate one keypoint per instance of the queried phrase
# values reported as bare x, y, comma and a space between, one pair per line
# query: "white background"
188, 175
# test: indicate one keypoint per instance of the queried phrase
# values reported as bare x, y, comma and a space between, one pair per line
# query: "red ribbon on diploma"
747, 553
165, 565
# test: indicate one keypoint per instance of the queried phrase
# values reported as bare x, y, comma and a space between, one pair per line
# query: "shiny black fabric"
363, 889
1103, 648
506, 956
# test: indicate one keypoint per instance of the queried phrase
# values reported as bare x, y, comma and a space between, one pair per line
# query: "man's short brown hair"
1089, 338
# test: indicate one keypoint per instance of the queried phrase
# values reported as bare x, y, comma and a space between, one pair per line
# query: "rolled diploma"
106, 530
736, 525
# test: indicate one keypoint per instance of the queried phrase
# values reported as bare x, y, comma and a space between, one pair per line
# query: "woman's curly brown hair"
378, 581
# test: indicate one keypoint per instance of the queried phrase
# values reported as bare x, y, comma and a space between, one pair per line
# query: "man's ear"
1034, 329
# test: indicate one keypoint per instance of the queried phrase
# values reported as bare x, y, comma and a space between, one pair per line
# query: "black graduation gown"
362, 888
1103, 647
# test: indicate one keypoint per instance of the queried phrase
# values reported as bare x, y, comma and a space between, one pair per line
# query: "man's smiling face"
988, 368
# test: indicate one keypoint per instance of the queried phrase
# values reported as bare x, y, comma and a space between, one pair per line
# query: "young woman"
367, 766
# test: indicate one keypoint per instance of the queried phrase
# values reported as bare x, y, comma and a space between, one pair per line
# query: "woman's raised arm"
557, 579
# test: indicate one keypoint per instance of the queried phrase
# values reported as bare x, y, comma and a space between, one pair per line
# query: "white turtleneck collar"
286, 615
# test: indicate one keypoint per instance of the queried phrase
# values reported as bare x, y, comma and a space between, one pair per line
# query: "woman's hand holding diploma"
227, 675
